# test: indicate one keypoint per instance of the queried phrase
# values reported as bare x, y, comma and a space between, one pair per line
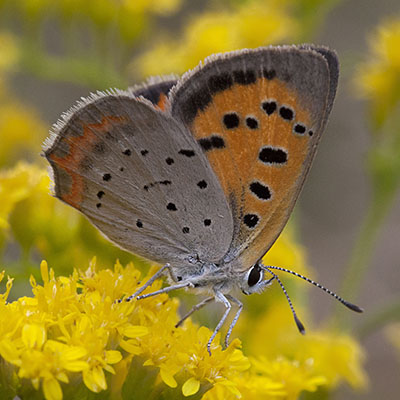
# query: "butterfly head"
253, 280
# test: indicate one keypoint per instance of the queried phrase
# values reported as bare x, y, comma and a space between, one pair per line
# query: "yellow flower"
294, 376
73, 325
42, 224
155, 6
15, 185
251, 25
9, 53
378, 78
73, 328
335, 357
21, 132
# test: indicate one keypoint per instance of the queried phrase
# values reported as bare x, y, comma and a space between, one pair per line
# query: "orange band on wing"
79, 146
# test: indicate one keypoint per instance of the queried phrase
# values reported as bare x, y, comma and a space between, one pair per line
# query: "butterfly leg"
166, 290
219, 297
149, 282
235, 319
194, 308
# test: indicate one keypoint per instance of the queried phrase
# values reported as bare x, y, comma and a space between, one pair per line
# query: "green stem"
379, 318
360, 260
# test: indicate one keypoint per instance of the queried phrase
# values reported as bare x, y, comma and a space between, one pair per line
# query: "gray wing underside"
141, 179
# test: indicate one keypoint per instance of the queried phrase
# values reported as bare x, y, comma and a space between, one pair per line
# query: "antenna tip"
353, 307
300, 326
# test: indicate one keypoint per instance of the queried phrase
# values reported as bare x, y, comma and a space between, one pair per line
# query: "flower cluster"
250, 24
378, 78
74, 330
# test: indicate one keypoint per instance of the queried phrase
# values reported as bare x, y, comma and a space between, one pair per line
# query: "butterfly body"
200, 172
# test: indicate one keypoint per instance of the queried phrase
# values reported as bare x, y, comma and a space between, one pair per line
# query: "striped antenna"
344, 302
300, 326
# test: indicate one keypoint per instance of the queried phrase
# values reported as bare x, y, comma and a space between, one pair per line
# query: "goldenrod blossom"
251, 25
378, 78
74, 330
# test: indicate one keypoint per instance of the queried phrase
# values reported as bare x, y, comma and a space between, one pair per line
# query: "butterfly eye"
254, 276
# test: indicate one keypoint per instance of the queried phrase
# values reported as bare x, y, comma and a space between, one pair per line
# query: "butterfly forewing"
141, 178
258, 116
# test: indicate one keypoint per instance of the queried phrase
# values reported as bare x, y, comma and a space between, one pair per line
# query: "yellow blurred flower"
378, 77
8, 52
319, 353
294, 376
155, 6
251, 25
21, 132
41, 223
15, 185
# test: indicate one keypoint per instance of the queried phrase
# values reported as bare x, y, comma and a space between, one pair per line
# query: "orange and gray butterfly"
258, 116
213, 172
140, 177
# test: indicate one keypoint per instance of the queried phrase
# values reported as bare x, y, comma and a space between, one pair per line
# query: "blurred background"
348, 215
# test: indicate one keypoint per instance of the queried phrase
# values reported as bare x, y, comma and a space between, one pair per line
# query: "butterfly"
200, 173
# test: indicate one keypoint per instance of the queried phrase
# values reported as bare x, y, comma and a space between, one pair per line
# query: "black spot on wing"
157, 183
286, 113
231, 120
269, 107
202, 184
272, 155
299, 129
251, 220
171, 207
260, 190
211, 142
187, 153
252, 123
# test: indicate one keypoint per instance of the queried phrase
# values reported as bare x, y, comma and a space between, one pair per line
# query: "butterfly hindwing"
155, 89
258, 116
141, 178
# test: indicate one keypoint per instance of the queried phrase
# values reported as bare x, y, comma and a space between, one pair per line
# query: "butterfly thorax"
211, 277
